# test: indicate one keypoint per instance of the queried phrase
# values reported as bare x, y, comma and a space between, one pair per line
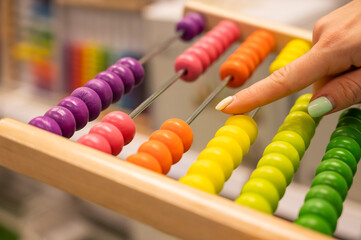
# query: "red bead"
123, 122
112, 134
95, 141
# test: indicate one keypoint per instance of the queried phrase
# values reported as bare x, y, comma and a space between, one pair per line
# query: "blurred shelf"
133, 5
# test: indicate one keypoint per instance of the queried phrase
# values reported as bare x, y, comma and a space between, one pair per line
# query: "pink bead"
223, 31
224, 40
209, 49
111, 134
232, 27
215, 43
95, 141
123, 122
201, 55
191, 63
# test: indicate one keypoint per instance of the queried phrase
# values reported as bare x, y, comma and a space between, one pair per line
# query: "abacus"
164, 203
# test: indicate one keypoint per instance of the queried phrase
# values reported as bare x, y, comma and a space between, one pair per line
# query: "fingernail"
224, 103
320, 106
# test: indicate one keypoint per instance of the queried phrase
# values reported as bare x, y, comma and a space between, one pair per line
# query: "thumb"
339, 93
295, 76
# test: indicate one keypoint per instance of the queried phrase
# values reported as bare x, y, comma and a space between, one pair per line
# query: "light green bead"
220, 156
230, 145
280, 162
304, 98
254, 201
302, 106
238, 134
286, 149
302, 118
291, 137
273, 175
198, 181
302, 130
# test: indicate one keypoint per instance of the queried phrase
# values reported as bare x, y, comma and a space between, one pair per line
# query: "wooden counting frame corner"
151, 198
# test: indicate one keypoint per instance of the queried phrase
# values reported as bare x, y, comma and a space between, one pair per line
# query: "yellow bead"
294, 50
280, 162
246, 123
301, 106
291, 137
273, 175
231, 146
220, 156
198, 181
304, 98
263, 188
301, 44
254, 201
278, 64
210, 169
287, 56
238, 134
286, 149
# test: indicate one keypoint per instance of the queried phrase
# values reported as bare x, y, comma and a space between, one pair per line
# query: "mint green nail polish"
319, 106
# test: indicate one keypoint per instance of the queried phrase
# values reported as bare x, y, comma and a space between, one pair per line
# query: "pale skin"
332, 67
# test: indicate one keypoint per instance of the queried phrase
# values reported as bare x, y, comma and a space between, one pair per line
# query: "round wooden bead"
64, 118
304, 98
123, 122
301, 129
211, 170
136, 68
95, 141
111, 134
286, 149
201, 55
351, 112
191, 64
246, 123
350, 122
273, 175
249, 52
301, 117
198, 181
79, 110
322, 209
230, 145
302, 106
347, 131
208, 48
280, 162
338, 166
125, 75
237, 70
160, 152
224, 40
326, 193
145, 160
343, 155
261, 50
315, 223
224, 33
199, 21
346, 143
220, 156
245, 60
47, 124
103, 90
115, 83
255, 201
263, 188
214, 42
91, 99
237, 134
293, 138
182, 129
189, 27
231, 26
267, 36
332, 179
172, 141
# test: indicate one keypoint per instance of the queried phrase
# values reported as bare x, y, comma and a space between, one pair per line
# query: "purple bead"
136, 68
103, 90
125, 75
91, 99
115, 83
199, 19
79, 110
47, 124
64, 118
189, 28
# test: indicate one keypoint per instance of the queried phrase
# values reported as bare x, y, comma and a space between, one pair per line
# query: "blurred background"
50, 47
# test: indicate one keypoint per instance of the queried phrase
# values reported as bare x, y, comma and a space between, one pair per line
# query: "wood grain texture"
145, 196
247, 24
133, 5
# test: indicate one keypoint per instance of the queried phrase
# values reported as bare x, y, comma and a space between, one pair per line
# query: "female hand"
332, 66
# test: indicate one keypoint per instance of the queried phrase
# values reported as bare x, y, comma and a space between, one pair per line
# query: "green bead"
351, 122
322, 209
343, 155
351, 112
346, 143
332, 179
347, 131
264, 188
326, 193
301, 117
280, 162
291, 137
338, 166
273, 175
315, 223
255, 201
305, 132
286, 149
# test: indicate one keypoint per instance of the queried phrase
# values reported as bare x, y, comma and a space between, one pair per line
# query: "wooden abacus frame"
140, 194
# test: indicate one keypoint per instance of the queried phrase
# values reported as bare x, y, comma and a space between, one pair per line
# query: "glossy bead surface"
246, 123
208, 48
145, 160
346, 143
95, 141
245, 60
79, 110
160, 152
347, 131
198, 19
280, 162
64, 118
115, 83
315, 223
237, 134
230, 145
136, 68
191, 64
302, 106
111, 134
125, 74
182, 129
224, 40
103, 90
47, 124
189, 28
332, 179
198, 181
201, 55
273, 175
237, 70
293, 138
351, 112
91, 99
214, 42
343, 155
231, 26
337, 166
351, 122
301, 117
123, 122
255, 201
172, 141
305, 132
305, 98
285, 149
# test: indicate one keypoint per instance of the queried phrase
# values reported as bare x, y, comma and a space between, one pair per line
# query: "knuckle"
351, 89
279, 77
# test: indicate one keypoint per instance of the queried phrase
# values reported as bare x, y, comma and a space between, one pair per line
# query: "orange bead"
246, 59
261, 41
238, 71
182, 129
172, 141
145, 160
267, 36
160, 152
261, 50
256, 59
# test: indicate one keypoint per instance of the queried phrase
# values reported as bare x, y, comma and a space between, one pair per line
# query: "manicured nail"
224, 103
319, 106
